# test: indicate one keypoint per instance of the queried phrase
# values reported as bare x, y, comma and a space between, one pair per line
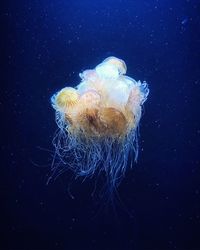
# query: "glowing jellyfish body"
98, 122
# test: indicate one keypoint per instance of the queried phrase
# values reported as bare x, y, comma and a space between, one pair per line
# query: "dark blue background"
44, 46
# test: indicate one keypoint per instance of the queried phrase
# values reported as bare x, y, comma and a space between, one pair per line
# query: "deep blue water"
44, 46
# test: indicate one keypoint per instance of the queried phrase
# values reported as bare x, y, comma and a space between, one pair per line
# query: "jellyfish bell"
114, 122
106, 70
66, 98
88, 124
119, 94
102, 123
134, 98
130, 82
117, 63
138, 95
111, 67
133, 108
90, 98
89, 75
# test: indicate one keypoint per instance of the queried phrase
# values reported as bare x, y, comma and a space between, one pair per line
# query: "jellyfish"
98, 123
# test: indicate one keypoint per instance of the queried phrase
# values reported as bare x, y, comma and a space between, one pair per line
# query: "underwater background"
44, 47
